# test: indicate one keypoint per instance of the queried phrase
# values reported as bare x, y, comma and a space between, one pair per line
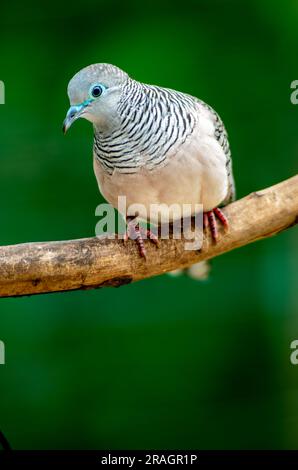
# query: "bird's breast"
192, 176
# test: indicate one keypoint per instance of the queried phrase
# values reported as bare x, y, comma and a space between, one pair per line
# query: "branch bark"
34, 268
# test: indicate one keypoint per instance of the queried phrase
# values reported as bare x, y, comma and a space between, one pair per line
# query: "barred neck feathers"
152, 121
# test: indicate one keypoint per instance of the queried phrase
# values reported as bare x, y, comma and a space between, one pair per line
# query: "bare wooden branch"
33, 268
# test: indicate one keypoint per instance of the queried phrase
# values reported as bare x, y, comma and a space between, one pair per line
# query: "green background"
164, 363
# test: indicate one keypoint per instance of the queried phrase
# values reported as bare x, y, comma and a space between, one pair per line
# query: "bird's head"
94, 93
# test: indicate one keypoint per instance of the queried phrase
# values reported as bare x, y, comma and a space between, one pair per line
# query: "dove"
153, 145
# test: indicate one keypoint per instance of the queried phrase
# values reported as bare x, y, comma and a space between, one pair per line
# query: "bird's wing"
221, 136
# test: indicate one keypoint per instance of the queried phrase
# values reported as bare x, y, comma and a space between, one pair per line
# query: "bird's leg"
209, 220
221, 216
137, 233
148, 233
137, 236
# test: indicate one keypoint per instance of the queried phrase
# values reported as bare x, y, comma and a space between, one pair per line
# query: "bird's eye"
96, 91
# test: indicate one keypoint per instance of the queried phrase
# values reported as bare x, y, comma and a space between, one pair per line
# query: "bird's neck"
107, 124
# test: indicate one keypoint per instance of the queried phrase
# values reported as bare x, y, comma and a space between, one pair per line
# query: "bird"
154, 145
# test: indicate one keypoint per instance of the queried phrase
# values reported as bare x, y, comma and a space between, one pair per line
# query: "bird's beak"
72, 115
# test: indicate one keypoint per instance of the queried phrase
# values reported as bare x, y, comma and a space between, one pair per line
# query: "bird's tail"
198, 271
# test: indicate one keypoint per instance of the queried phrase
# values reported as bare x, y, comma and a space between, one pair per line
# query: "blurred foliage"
165, 363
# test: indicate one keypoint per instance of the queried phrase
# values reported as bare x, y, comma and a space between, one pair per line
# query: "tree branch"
33, 268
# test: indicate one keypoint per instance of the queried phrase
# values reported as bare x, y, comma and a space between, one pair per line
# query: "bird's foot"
210, 220
139, 234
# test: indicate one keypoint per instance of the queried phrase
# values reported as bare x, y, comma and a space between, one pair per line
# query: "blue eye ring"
96, 90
